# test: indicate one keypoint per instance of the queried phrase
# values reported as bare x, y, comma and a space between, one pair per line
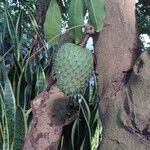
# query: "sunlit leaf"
52, 25
96, 137
97, 13
76, 17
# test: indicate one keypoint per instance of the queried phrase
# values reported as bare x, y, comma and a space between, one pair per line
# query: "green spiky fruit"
73, 66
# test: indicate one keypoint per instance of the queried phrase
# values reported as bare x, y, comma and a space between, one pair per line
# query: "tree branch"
51, 111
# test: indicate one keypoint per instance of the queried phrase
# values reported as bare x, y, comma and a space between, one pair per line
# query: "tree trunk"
125, 103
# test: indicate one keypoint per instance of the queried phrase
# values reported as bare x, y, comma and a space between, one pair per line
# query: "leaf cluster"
20, 78
85, 131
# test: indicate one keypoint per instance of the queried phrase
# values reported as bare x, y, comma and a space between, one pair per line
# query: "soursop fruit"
73, 66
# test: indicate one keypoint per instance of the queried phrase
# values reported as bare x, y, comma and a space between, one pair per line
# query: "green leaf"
85, 108
17, 66
19, 131
2, 112
73, 131
61, 143
19, 87
9, 106
3, 71
52, 25
1, 136
9, 101
6, 144
97, 13
40, 81
85, 144
28, 73
27, 96
94, 116
2, 123
1, 104
18, 29
76, 17
96, 136
87, 115
10, 25
18, 32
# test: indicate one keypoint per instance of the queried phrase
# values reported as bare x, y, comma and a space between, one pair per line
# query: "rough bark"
124, 105
51, 111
